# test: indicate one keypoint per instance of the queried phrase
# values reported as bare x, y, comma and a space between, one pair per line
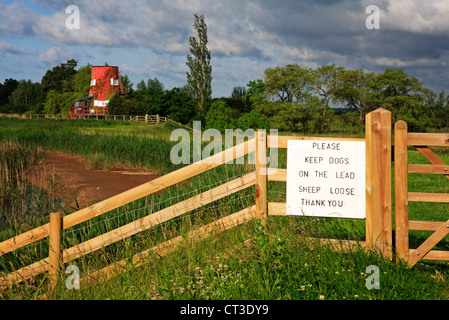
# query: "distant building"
105, 82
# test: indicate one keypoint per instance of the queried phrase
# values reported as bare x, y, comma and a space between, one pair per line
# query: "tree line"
291, 98
301, 99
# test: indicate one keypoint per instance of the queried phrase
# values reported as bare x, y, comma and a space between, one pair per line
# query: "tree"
401, 94
254, 93
219, 116
179, 105
74, 87
8, 86
80, 81
199, 77
238, 93
327, 83
253, 120
437, 107
128, 85
358, 90
291, 83
59, 103
152, 94
125, 105
57, 78
29, 94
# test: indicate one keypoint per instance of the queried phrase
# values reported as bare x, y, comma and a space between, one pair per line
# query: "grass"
249, 262
246, 262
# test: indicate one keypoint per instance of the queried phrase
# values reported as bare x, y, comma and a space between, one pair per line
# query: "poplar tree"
200, 76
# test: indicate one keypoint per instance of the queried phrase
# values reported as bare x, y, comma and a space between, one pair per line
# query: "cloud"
54, 56
16, 19
421, 17
151, 37
12, 49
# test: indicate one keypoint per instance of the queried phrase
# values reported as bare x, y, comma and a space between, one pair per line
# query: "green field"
247, 262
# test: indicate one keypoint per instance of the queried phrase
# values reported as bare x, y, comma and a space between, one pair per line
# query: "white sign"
326, 179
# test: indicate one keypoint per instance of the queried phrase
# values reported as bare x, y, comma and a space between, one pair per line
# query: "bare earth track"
75, 183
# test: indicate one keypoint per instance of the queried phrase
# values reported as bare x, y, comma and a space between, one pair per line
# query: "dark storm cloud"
246, 36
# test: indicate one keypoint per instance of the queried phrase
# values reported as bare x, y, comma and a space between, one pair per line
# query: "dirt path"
67, 176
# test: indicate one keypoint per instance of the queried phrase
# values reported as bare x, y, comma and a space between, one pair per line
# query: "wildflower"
321, 297
356, 296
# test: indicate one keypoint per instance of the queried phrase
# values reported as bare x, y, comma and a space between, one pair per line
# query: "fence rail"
149, 119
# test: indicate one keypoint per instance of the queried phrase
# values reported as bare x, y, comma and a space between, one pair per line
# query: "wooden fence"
421, 141
378, 203
57, 223
149, 119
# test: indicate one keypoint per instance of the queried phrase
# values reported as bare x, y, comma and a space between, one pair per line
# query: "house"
105, 82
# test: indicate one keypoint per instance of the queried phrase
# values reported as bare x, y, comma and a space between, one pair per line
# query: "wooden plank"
261, 175
424, 225
434, 255
168, 247
428, 139
430, 242
431, 156
278, 175
277, 208
400, 187
135, 227
131, 195
378, 181
282, 141
428, 197
54, 256
159, 217
428, 169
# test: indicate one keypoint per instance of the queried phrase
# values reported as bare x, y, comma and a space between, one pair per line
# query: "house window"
100, 103
114, 82
93, 82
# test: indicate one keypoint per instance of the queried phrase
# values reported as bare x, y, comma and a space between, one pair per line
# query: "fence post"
261, 176
158, 119
55, 248
378, 181
401, 190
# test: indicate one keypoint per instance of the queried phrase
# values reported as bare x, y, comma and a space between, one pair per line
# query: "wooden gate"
422, 142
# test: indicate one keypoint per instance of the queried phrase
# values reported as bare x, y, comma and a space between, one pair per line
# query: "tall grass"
20, 202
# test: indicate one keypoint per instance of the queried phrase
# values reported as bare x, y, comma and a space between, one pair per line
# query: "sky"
150, 39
